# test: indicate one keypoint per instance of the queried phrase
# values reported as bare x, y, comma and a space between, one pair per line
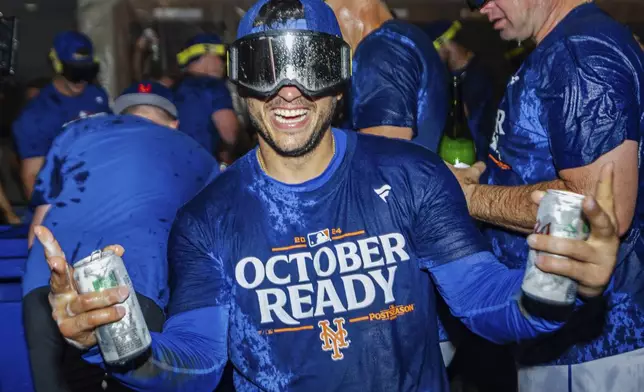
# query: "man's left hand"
468, 177
592, 262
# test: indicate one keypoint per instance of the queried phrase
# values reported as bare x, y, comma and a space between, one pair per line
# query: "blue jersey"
329, 284
117, 180
399, 80
197, 99
44, 116
578, 96
478, 97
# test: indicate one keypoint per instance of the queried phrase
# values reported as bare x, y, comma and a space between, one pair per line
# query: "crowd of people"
318, 251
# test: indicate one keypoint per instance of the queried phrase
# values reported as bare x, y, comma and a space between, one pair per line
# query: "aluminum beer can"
129, 337
560, 215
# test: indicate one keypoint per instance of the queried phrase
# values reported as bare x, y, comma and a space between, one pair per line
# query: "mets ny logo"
334, 340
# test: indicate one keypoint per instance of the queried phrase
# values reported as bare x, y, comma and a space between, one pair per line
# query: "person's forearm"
508, 206
189, 355
6, 208
484, 294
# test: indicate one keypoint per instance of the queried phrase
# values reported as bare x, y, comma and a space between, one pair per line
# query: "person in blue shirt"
311, 262
476, 81
203, 100
576, 103
111, 176
72, 94
398, 85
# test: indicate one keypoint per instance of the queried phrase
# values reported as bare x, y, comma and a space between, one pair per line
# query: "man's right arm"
33, 139
189, 355
191, 351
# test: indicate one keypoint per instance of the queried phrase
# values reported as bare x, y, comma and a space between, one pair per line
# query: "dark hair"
278, 11
161, 112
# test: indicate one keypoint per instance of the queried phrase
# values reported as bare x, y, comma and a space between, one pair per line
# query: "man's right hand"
78, 315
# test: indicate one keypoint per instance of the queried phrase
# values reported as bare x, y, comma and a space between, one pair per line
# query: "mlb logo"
318, 238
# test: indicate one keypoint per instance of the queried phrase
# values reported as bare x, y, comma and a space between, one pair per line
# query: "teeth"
290, 113
284, 120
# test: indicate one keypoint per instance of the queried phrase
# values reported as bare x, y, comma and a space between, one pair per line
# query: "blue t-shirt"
324, 285
399, 80
197, 98
44, 116
117, 180
578, 96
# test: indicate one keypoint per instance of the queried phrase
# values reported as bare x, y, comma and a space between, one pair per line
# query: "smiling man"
576, 103
311, 262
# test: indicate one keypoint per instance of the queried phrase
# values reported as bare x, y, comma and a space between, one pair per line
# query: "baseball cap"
72, 47
146, 93
199, 45
318, 17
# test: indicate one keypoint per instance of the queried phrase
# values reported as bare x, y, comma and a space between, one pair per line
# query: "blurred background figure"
110, 178
403, 94
476, 82
147, 60
72, 94
203, 100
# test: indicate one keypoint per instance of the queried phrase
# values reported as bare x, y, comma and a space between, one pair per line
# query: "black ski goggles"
264, 62
476, 5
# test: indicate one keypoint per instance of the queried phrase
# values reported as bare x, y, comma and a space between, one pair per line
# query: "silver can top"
96, 255
567, 197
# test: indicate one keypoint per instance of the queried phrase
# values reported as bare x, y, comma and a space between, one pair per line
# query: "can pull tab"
96, 255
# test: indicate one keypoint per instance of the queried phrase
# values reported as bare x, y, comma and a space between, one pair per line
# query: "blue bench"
15, 374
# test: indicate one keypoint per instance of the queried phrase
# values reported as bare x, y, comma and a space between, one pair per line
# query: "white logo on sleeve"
383, 192
99, 99
498, 131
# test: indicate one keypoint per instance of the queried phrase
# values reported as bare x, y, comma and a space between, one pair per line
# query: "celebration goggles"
476, 5
316, 63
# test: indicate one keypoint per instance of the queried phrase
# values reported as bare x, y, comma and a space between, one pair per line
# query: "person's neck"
301, 169
557, 12
60, 84
363, 17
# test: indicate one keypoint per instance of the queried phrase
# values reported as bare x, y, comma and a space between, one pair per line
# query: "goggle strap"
196, 50
448, 35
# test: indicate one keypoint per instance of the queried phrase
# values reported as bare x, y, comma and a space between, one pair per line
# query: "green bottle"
457, 144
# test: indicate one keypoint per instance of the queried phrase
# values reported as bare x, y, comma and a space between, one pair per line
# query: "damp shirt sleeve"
191, 351
384, 92
591, 105
479, 290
